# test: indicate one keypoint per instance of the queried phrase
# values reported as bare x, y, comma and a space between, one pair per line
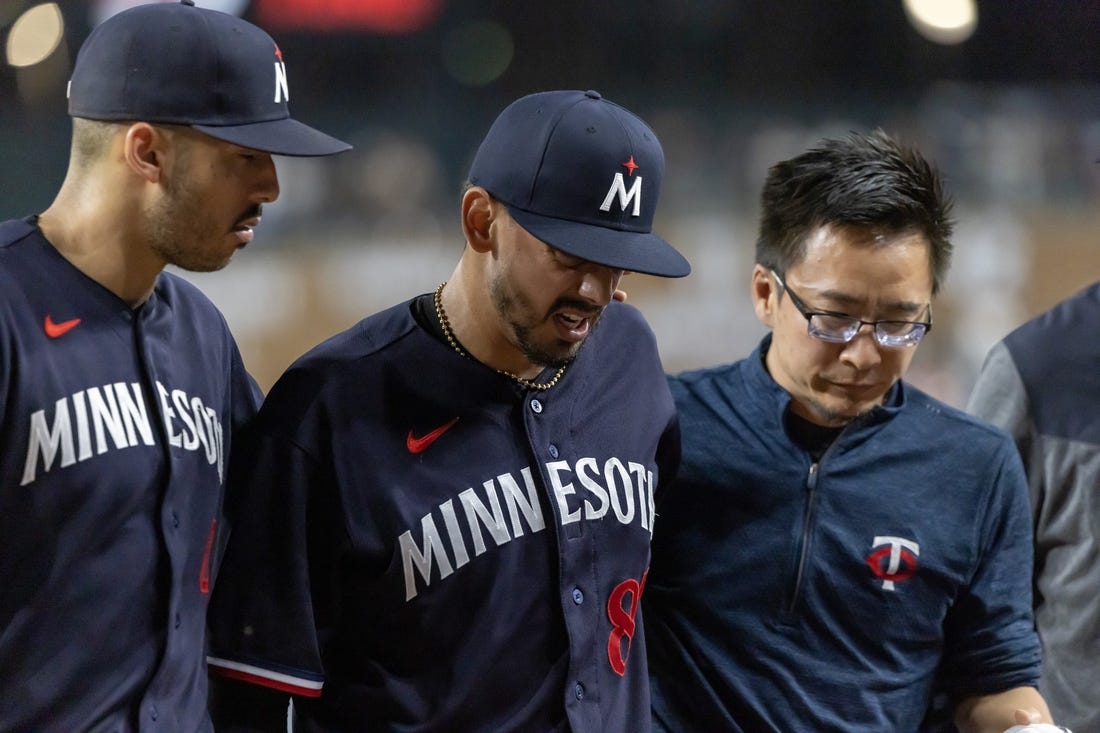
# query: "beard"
181, 231
517, 312
831, 417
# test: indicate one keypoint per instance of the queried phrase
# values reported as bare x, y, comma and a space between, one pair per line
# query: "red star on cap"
278, 53
630, 165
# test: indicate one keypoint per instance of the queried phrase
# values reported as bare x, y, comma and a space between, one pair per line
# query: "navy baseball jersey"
116, 424
801, 594
423, 544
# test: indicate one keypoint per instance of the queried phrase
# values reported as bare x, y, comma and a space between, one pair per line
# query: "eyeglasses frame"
808, 314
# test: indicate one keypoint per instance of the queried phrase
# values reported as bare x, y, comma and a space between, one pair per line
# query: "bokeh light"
946, 22
35, 35
378, 16
101, 10
478, 52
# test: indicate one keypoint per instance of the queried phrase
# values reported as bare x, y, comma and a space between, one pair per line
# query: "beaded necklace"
450, 336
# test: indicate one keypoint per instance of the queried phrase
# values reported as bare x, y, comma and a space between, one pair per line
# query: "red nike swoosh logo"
54, 330
419, 445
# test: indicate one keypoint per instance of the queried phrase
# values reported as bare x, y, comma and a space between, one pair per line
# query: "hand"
619, 295
991, 713
1027, 721
1031, 715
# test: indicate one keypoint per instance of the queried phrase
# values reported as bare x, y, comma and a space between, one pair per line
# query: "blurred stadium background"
1004, 95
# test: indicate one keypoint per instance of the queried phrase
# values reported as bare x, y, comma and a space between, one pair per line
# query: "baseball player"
446, 510
120, 385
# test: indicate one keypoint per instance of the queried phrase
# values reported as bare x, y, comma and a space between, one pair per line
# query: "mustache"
580, 306
253, 212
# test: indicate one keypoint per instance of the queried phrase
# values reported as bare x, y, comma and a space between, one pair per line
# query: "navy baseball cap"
582, 174
174, 63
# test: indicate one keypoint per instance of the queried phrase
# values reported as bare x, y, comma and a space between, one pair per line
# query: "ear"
765, 295
478, 212
144, 148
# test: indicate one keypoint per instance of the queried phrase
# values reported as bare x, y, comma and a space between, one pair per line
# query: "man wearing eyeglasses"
839, 546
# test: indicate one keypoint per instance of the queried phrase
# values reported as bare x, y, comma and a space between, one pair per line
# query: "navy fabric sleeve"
246, 396
668, 455
990, 626
264, 628
240, 707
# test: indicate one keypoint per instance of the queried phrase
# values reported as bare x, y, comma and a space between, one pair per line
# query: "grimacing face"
547, 302
857, 271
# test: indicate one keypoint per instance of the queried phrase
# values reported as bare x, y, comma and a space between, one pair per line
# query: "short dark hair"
91, 140
861, 180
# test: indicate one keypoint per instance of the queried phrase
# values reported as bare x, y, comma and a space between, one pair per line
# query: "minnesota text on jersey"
622, 481
92, 421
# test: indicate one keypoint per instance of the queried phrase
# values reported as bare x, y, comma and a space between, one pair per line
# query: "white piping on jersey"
266, 674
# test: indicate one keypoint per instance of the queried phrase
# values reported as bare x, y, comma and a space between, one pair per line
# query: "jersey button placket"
576, 594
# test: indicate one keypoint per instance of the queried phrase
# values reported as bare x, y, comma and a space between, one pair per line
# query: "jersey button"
553, 450
153, 713
175, 519
578, 596
536, 407
178, 621
578, 690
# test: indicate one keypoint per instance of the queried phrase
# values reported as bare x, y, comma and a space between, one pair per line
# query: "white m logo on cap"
618, 187
282, 90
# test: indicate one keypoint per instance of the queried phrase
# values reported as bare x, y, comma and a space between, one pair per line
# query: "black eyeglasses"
839, 328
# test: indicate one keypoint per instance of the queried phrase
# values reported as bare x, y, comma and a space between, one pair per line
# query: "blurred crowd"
350, 237
1015, 135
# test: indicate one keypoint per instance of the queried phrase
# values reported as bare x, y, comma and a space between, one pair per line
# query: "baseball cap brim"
279, 137
634, 251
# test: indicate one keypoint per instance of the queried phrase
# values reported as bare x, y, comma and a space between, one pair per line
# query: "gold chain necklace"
450, 336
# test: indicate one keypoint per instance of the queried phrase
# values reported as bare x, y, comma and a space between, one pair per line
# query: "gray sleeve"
1063, 473
999, 396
